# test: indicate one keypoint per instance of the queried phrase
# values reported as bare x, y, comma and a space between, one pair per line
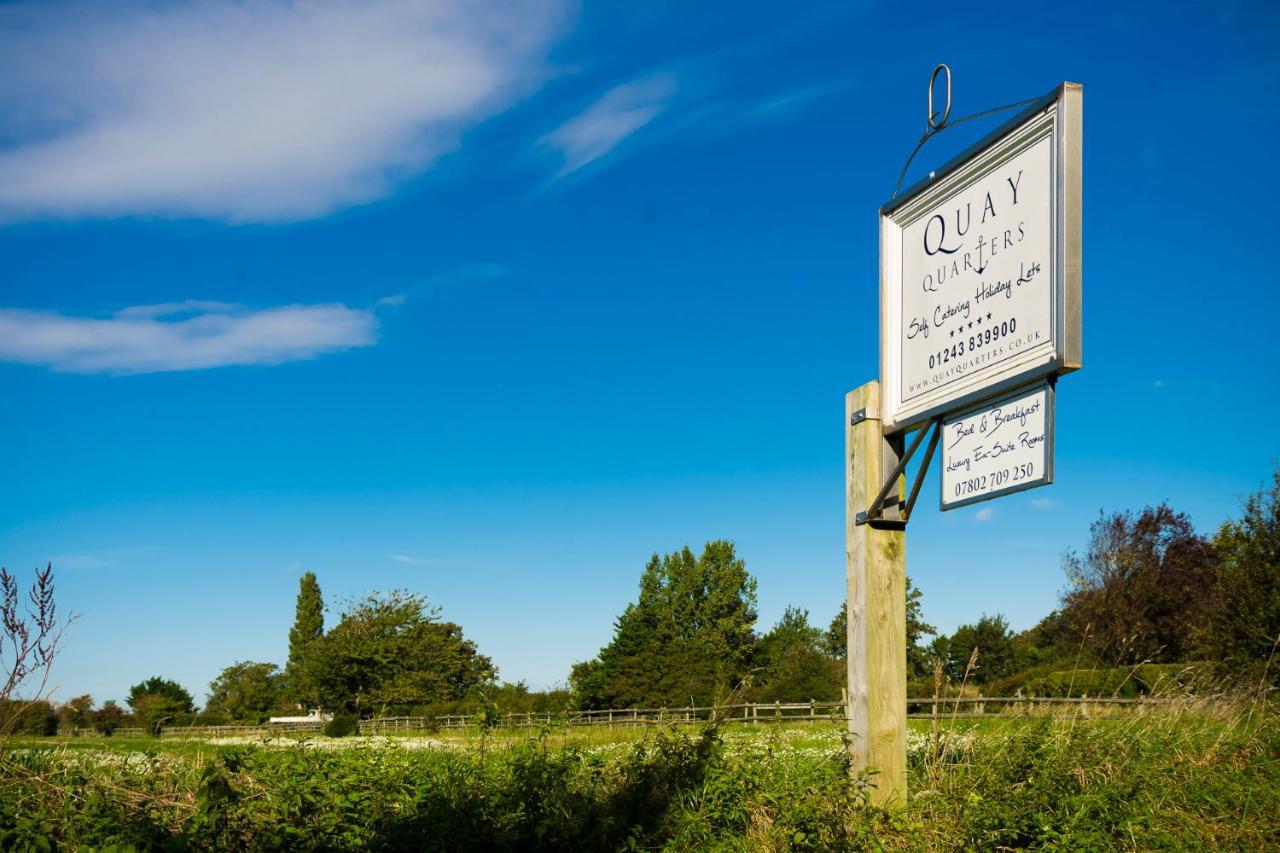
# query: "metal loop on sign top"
936, 125
946, 113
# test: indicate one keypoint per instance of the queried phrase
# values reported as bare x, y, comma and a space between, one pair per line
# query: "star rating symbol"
988, 315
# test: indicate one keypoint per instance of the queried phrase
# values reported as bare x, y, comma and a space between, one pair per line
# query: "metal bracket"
874, 515
857, 417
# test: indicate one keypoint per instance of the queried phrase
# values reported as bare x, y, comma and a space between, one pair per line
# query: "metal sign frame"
1057, 117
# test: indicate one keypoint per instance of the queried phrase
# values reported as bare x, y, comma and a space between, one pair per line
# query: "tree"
76, 712
108, 718
390, 652
793, 664
836, 640
159, 701
1242, 624
1141, 588
307, 630
246, 692
688, 638
28, 717
993, 639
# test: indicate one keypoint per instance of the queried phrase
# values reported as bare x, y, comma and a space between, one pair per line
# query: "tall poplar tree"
687, 639
308, 627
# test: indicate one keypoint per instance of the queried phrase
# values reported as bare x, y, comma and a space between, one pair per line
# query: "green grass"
1199, 776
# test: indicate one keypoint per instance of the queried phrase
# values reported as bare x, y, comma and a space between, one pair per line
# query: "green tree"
1045, 643
993, 639
109, 717
835, 641
688, 638
28, 717
793, 665
158, 702
307, 630
1141, 589
76, 712
390, 652
246, 692
1242, 624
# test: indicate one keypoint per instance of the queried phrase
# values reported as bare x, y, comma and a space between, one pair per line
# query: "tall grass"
1197, 773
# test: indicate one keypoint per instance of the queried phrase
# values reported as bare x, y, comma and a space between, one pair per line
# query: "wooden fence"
753, 713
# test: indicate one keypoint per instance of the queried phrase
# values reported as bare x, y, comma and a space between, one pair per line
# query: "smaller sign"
999, 447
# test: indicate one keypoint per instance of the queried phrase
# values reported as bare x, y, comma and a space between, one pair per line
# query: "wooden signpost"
876, 582
980, 312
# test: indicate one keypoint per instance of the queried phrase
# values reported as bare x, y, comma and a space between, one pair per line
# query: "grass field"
1206, 775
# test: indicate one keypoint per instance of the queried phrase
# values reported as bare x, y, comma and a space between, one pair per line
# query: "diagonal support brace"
875, 513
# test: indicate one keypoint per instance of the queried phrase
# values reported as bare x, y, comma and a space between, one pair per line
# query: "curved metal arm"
946, 113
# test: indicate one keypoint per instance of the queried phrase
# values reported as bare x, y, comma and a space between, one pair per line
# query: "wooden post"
875, 576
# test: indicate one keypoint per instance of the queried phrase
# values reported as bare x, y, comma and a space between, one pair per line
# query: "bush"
108, 718
1124, 681
341, 726
29, 718
1164, 781
1085, 682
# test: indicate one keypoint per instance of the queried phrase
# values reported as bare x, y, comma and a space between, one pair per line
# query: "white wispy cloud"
984, 515
269, 111
797, 99
601, 127
181, 336
78, 561
407, 560
1044, 503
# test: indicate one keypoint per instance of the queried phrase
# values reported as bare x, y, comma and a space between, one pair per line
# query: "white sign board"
1001, 447
980, 269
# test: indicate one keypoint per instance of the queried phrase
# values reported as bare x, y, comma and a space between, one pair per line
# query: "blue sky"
491, 301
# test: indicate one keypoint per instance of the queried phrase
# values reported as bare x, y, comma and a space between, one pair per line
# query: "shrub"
29, 718
1167, 781
341, 726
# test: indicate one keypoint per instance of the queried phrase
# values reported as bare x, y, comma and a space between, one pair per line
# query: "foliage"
1207, 779
1062, 679
108, 718
992, 639
246, 692
76, 712
1242, 624
1048, 642
793, 664
688, 638
1140, 587
171, 691
308, 628
158, 702
508, 697
341, 725
390, 652
28, 717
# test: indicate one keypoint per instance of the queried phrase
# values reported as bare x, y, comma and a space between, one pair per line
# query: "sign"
1000, 447
980, 269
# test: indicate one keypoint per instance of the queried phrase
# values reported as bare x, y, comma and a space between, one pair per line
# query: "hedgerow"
1185, 778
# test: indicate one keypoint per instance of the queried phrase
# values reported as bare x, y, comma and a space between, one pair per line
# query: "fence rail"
751, 713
